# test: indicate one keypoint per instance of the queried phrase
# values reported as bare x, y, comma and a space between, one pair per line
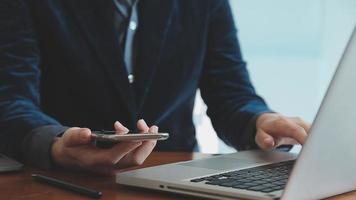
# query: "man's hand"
75, 150
274, 130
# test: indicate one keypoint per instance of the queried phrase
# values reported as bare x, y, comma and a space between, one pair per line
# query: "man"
89, 63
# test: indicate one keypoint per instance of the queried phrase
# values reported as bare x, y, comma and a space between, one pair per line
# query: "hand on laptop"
274, 130
75, 150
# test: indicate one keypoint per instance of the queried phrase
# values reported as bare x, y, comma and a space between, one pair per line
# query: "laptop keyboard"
266, 178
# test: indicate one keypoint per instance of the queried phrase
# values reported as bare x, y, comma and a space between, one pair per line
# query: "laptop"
326, 165
7, 164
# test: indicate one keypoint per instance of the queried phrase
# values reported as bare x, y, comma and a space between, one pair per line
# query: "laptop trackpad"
220, 163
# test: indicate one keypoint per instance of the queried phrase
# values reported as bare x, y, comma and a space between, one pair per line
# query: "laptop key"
220, 181
216, 176
257, 188
260, 182
268, 185
251, 179
229, 184
251, 184
244, 180
277, 188
267, 190
259, 177
211, 183
241, 186
197, 180
279, 183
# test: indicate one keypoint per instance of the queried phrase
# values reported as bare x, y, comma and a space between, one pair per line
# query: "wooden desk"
21, 186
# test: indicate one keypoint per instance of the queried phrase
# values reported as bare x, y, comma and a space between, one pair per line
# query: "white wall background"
292, 48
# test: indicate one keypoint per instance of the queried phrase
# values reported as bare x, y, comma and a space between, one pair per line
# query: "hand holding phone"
78, 149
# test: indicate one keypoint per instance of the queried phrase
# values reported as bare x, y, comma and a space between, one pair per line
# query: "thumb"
142, 126
120, 129
264, 140
76, 136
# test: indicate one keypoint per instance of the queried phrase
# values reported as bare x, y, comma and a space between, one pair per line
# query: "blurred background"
292, 48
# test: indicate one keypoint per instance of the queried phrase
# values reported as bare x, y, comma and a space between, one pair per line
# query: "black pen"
67, 186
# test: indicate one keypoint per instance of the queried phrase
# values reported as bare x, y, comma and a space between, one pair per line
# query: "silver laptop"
325, 167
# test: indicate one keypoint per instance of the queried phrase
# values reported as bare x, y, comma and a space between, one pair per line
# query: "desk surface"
20, 185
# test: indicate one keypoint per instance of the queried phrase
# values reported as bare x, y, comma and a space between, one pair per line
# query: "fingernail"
83, 134
152, 129
155, 129
142, 121
117, 123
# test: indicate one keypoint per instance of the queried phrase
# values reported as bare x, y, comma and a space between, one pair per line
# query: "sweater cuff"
250, 132
36, 147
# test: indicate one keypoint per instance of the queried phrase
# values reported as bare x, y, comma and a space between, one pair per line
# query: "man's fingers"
302, 123
124, 148
139, 155
264, 140
130, 153
153, 129
296, 132
142, 126
142, 152
284, 127
119, 128
113, 155
76, 136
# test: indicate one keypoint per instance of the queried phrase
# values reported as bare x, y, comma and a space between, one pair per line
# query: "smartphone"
110, 136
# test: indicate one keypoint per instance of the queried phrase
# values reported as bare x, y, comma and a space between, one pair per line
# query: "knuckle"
295, 130
298, 119
300, 129
280, 124
282, 120
71, 130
